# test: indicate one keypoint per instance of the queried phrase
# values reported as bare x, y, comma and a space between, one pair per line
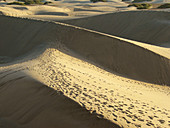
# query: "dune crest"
74, 62
114, 54
151, 27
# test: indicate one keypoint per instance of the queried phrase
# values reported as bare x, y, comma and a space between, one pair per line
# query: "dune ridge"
151, 27
64, 57
116, 55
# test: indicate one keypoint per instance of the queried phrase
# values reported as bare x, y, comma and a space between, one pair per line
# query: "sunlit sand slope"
35, 54
28, 103
119, 56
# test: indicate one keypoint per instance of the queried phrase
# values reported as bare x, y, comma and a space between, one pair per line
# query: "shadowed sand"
150, 27
74, 62
113, 53
28, 103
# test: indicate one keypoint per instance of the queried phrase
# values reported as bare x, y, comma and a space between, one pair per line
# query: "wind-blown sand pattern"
54, 74
65, 9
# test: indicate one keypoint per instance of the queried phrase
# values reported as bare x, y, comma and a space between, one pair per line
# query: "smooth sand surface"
151, 27
105, 71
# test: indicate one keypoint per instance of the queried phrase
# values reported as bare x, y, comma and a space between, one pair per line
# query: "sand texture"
64, 9
104, 71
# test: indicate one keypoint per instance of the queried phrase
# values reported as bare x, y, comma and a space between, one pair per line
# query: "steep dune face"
145, 26
114, 54
19, 36
119, 56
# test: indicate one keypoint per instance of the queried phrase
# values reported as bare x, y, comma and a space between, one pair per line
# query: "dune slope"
64, 57
114, 54
28, 103
145, 26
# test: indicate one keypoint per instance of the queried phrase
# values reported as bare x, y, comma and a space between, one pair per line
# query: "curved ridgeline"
145, 26
21, 35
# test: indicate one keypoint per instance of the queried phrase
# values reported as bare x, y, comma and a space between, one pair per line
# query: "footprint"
162, 121
150, 117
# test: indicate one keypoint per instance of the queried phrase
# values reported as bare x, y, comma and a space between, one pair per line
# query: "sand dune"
16, 10
75, 62
132, 61
64, 9
28, 103
145, 26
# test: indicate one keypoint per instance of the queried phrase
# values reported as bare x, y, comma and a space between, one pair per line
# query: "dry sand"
151, 27
28, 103
97, 76
64, 9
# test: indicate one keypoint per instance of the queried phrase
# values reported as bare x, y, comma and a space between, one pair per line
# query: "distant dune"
63, 9
96, 77
151, 27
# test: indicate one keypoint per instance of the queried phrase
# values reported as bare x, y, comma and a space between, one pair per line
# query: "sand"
53, 74
151, 27
36, 105
64, 9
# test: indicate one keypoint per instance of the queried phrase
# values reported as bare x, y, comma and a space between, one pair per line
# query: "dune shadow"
20, 8
52, 13
41, 106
